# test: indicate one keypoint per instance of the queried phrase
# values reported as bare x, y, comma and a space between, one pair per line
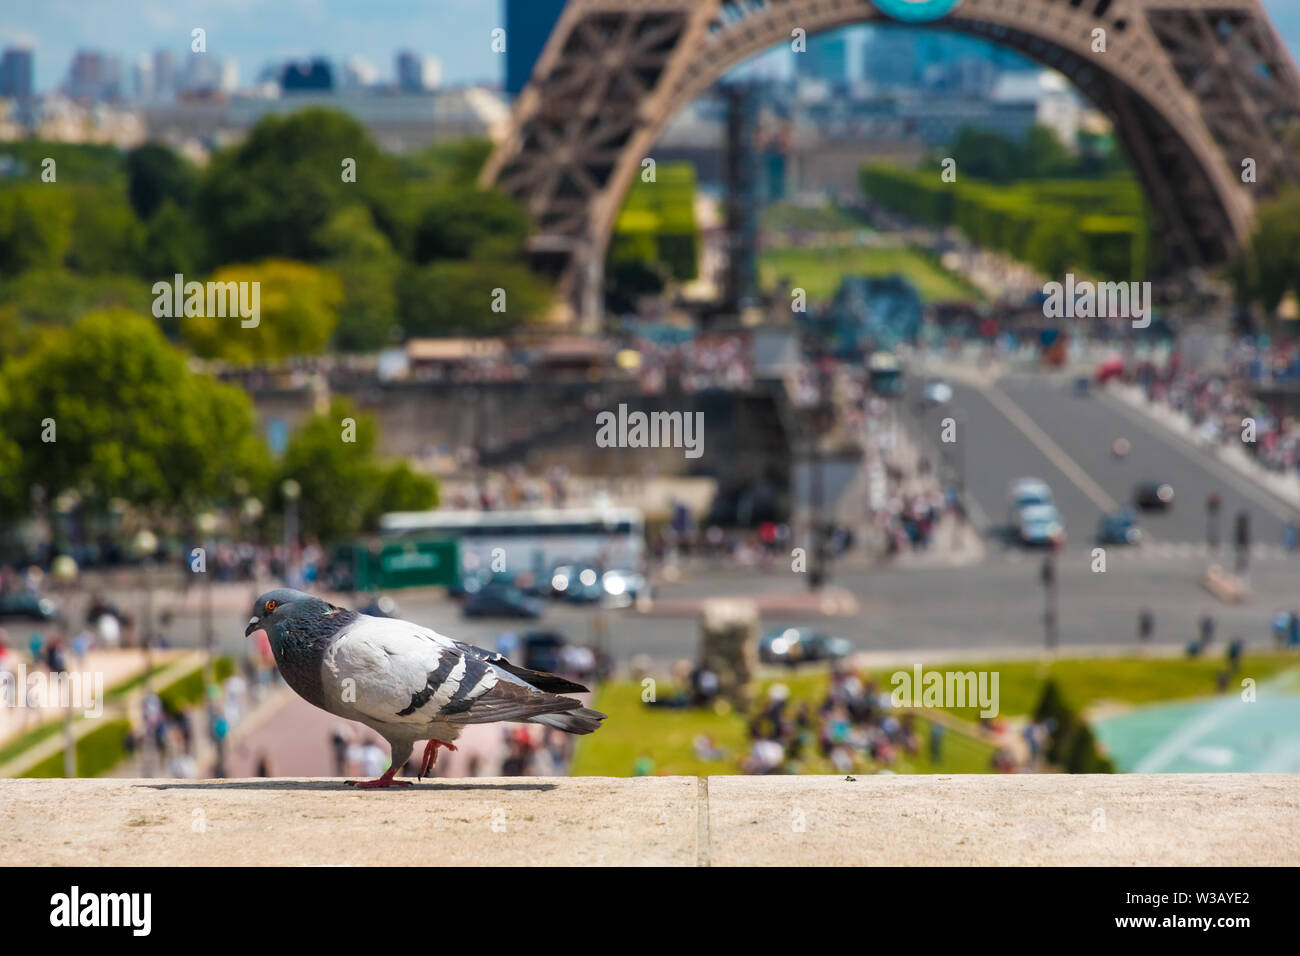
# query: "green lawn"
819, 270
1085, 682
665, 736
827, 217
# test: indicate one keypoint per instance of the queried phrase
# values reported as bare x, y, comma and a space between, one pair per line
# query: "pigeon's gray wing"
552, 683
396, 672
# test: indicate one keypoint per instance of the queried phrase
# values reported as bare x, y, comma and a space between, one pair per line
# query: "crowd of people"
1217, 400
854, 727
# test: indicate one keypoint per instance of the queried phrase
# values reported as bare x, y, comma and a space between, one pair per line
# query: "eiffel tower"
1195, 89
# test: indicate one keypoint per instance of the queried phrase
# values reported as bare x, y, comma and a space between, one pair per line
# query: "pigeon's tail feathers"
550, 683
581, 721
509, 701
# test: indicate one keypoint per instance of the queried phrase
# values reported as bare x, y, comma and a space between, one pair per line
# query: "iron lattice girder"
1193, 86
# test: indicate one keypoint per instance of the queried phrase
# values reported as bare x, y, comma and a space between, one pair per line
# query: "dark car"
501, 599
796, 645
1153, 495
577, 584
28, 607
1119, 528
541, 650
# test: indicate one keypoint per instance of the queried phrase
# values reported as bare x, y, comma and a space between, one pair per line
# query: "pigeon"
405, 681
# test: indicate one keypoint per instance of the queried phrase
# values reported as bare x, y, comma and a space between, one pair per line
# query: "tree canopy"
109, 409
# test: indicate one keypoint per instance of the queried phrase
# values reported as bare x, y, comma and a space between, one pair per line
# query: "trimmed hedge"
188, 690
656, 223
104, 747
99, 750
1096, 226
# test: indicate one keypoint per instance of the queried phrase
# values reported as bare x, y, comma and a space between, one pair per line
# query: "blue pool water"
1225, 734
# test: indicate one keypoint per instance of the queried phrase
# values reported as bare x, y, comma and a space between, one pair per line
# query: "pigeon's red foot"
385, 781
431, 755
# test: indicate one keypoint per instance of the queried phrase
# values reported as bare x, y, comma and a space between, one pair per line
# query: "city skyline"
255, 33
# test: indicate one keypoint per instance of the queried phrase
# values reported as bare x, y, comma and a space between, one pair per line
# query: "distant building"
316, 76
164, 76
528, 26
416, 73
398, 122
358, 72
16, 70
1044, 96
891, 58
94, 76
206, 74
826, 58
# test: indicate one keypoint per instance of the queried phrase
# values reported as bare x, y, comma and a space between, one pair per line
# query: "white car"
1033, 514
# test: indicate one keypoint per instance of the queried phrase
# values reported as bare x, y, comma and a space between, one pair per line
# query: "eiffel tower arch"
1193, 87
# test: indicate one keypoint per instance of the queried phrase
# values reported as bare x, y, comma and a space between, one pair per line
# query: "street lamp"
291, 491
207, 523
144, 544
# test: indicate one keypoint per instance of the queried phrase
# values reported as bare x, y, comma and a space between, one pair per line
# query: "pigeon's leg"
431, 755
385, 781
401, 753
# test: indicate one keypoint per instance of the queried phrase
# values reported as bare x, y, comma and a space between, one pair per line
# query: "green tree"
986, 155
298, 311
343, 488
59, 297
156, 175
272, 194
35, 228
73, 162
457, 221
12, 489
1269, 267
453, 298
1043, 155
364, 260
106, 236
172, 243
129, 419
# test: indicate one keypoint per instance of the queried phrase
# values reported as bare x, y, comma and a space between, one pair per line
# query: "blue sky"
256, 31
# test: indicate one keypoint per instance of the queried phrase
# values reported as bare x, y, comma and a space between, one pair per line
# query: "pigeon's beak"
253, 624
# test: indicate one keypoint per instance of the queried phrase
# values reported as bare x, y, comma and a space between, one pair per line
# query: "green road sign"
408, 564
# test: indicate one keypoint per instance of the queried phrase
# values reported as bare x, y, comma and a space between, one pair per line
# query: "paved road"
1034, 425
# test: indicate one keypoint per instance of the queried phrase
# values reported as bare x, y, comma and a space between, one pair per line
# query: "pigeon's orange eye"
270, 606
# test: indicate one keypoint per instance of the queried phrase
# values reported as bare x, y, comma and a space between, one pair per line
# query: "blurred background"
905, 463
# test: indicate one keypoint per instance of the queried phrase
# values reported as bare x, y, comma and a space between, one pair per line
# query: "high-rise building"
16, 68
826, 58
94, 76
528, 26
142, 79
164, 76
891, 57
416, 73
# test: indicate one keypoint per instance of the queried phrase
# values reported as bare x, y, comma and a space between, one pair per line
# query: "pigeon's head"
274, 607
